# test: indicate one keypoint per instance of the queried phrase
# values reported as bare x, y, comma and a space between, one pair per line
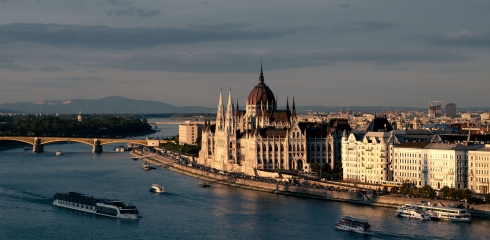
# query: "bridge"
179, 122
96, 143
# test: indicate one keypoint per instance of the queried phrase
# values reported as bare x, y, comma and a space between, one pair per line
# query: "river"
28, 182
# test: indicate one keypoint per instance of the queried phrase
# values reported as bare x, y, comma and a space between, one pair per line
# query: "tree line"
445, 193
69, 126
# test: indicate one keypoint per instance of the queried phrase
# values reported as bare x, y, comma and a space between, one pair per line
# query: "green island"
110, 126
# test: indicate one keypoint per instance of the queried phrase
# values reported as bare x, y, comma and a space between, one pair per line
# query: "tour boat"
134, 158
412, 213
353, 224
204, 184
99, 206
442, 212
155, 188
59, 153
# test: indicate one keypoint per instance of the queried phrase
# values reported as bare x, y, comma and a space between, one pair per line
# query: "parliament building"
263, 137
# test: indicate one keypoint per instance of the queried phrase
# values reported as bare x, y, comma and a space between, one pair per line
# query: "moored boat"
59, 153
155, 188
99, 206
146, 166
134, 158
204, 184
442, 212
409, 212
353, 224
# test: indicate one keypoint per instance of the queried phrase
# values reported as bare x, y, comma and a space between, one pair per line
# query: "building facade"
479, 170
264, 137
450, 110
189, 132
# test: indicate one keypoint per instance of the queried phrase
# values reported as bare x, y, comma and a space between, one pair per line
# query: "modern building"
450, 110
262, 137
189, 132
434, 111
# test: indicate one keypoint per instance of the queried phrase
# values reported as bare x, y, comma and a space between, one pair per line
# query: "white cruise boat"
412, 213
441, 212
155, 188
353, 224
104, 207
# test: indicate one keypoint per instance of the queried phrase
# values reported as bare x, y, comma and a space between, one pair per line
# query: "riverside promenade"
326, 190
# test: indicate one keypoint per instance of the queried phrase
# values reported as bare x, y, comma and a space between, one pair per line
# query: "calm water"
28, 181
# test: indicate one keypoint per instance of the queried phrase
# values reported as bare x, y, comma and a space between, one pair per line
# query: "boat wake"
388, 235
23, 196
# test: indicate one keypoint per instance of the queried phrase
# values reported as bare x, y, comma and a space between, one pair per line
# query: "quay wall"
481, 211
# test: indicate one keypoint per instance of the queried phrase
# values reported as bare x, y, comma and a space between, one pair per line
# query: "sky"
184, 52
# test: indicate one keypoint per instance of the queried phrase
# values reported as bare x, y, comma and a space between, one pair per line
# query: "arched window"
290, 147
318, 147
312, 147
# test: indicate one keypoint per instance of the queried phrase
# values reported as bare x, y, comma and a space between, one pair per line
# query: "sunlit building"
263, 137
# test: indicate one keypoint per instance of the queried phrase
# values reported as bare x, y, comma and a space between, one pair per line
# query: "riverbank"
326, 190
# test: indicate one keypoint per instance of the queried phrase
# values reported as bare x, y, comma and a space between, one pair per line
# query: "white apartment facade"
479, 170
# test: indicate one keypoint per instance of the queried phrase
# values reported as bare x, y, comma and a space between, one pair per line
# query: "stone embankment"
328, 190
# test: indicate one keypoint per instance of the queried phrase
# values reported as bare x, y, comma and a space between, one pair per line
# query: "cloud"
51, 68
74, 79
233, 62
129, 38
463, 38
343, 5
134, 12
118, 2
14, 67
362, 26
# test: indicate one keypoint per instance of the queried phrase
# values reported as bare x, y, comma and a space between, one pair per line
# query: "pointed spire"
294, 109
261, 78
220, 103
220, 115
237, 109
229, 101
287, 103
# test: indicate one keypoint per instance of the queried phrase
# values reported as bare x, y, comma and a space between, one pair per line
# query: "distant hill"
108, 105
121, 105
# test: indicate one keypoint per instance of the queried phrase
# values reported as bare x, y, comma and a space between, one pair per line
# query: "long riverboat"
99, 206
442, 212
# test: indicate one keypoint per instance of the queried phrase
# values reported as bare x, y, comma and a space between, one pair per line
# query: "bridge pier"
37, 147
97, 147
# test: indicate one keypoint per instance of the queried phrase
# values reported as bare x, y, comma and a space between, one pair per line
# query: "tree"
445, 192
427, 192
315, 167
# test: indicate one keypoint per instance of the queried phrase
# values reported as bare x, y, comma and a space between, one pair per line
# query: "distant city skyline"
328, 53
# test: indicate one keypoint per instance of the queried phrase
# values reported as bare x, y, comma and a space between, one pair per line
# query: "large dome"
261, 93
